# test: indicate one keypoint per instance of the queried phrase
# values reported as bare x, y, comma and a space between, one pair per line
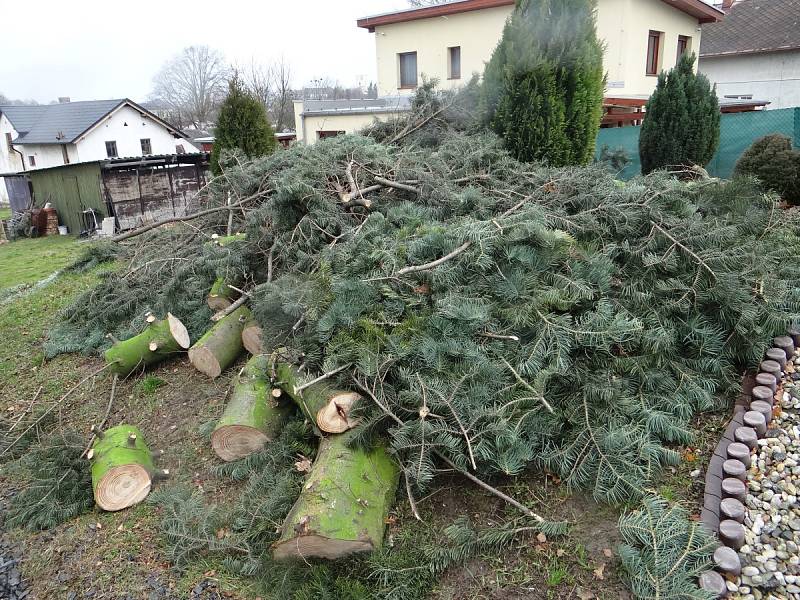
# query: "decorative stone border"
723, 510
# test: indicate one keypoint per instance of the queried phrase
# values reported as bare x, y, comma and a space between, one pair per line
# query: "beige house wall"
623, 25
308, 127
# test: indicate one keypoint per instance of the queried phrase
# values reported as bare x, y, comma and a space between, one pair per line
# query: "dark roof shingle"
62, 123
754, 26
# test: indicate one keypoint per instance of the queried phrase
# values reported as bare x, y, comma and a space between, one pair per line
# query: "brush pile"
491, 316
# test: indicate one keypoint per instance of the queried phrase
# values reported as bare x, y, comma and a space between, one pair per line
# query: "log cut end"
217, 303
318, 546
178, 331
122, 486
334, 417
232, 442
252, 338
204, 361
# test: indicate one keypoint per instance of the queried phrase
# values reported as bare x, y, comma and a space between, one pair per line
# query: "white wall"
9, 161
308, 127
772, 76
127, 127
622, 24
46, 155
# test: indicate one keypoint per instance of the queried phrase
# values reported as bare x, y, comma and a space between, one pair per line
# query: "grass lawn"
28, 261
5, 213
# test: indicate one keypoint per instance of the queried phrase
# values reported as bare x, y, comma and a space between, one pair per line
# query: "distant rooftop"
366, 106
754, 26
62, 123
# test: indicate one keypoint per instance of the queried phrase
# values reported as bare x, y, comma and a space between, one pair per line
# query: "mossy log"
122, 468
224, 240
159, 340
344, 503
328, 408
221, 295
253, 337
220, 345
253, 416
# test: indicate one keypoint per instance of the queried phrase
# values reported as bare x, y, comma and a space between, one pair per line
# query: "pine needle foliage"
543, 86
682, 124
664, 552
500, 315
776, 164
60, 486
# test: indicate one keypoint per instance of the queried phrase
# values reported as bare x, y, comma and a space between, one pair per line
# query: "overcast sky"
91, 50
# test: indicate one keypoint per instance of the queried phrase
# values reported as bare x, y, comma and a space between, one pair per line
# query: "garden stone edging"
726, 488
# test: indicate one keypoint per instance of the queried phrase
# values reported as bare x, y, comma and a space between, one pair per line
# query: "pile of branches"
495, 315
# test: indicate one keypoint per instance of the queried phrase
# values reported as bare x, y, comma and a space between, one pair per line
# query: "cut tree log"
220, 345
122, 467
327, 408
221, 295
253, 416
253, 337
159, 340
344, 503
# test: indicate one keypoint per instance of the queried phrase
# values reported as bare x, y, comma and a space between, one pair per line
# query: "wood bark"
326, 407
253, 337
159, 340
253, 416
344, 503
220, 345
122, 467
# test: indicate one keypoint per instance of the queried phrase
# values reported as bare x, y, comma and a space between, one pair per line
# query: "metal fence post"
797, 127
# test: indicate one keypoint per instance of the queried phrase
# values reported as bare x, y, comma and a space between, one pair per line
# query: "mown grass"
30, 260
5, 213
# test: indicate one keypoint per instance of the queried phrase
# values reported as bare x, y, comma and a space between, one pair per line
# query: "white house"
37, 137
452, 41
754, 52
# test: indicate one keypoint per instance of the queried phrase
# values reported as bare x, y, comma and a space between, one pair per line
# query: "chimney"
65, 99
727, 4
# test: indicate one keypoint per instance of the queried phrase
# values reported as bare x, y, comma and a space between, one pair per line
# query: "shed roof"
754, 26
367, 106
63, 123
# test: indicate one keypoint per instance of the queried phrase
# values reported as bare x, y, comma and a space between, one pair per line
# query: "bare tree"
282, 110
192, 84
258, 79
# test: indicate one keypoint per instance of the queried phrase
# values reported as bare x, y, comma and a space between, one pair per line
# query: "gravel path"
770, 556
12, 586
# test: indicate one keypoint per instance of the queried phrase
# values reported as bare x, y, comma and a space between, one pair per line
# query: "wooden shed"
134, 190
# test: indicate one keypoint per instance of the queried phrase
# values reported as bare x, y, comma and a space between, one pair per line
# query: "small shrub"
775, 163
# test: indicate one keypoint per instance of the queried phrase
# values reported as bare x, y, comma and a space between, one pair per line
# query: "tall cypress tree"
543, 87
682, 123
242, 124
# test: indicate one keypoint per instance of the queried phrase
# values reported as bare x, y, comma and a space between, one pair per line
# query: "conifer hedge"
543, 86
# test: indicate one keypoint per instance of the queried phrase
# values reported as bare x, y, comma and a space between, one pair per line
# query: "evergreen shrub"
775, 163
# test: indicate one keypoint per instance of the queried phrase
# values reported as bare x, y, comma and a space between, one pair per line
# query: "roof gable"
65, 123
754, 26
704, 13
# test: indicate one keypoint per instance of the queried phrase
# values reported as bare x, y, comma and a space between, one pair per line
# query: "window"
328, 134
32, 161
146, 148
454, 62
653, 52
179, 149
65, 154
111, 149
408, 69
8, 141
684, 45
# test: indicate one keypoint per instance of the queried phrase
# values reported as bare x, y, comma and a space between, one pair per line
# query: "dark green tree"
242, 124
543, 87
682, 124
773, 160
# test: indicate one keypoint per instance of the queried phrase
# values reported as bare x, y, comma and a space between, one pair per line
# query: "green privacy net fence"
737, 132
